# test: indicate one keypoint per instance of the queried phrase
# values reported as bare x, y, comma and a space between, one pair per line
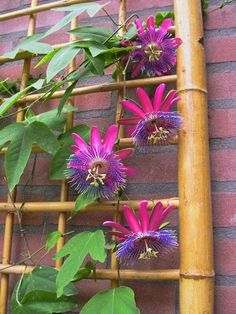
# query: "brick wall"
160, 179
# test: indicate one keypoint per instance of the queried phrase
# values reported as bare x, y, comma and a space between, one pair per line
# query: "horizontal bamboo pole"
40, 8
108, 274
123, 143
68, 206
25, 54
105, 87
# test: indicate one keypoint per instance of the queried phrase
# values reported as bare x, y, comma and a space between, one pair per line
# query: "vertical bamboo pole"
64, 185
120, 94
196, 261
9, 221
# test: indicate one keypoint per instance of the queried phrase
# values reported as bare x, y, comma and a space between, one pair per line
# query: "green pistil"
153, 52
96, 177
148, 254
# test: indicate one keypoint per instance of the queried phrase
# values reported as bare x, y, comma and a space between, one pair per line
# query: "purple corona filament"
157, 53
154, 123
145, 238
94, 169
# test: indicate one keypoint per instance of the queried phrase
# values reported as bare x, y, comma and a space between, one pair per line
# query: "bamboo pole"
123, 143
40, 8
64, 185
105, 87
106, 274
25, 54
9, 222
196, 261
67, 206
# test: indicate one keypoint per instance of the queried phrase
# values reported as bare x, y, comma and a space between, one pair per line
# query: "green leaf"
52, 239
85, 271
60, 60
12, 100
38, 84
92, 8
43, 137
161, 16
47, 57
30, 44
66, 96
78, 247
97, 62
81, 201
17, 156
36, 293
81, 129
112, 301
132, 31
10, 132
95, 33
59, 161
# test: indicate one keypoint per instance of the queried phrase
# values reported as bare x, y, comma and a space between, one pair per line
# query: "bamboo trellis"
196, 264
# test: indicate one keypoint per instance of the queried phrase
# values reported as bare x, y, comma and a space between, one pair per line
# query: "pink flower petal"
156, 216
144, 100
143, 215
178, 42
158, 97
165, 25
80, 142
120, 236
168, 102
117, 226
128, 121
124, 153
130, 171
133, 108
131, 219
110, 138
139, 25
151, 22
95, 138
166, 212
74, 148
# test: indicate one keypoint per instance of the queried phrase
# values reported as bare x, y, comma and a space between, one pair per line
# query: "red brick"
11, 71
154, 298
225, 259
5, 46
220, 49
225, 301
217, 19
224, 209
221, 85
91, 102
222, 123
219, 160
14, 25
8, 5
142, 5
48, 18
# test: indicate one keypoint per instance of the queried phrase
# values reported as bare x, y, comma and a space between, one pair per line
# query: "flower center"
158, 134
153, 52
94, 176
148, 253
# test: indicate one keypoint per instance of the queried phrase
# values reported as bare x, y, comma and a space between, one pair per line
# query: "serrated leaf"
78, 247
81, 201
4, 107
43, 137
112, 301
52, 239
95, 33
36, 293
10, 132
61, 60
17, 156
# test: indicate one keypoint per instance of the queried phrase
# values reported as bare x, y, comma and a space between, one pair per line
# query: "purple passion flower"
157, 53
146, 237
95, 170
155, 124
